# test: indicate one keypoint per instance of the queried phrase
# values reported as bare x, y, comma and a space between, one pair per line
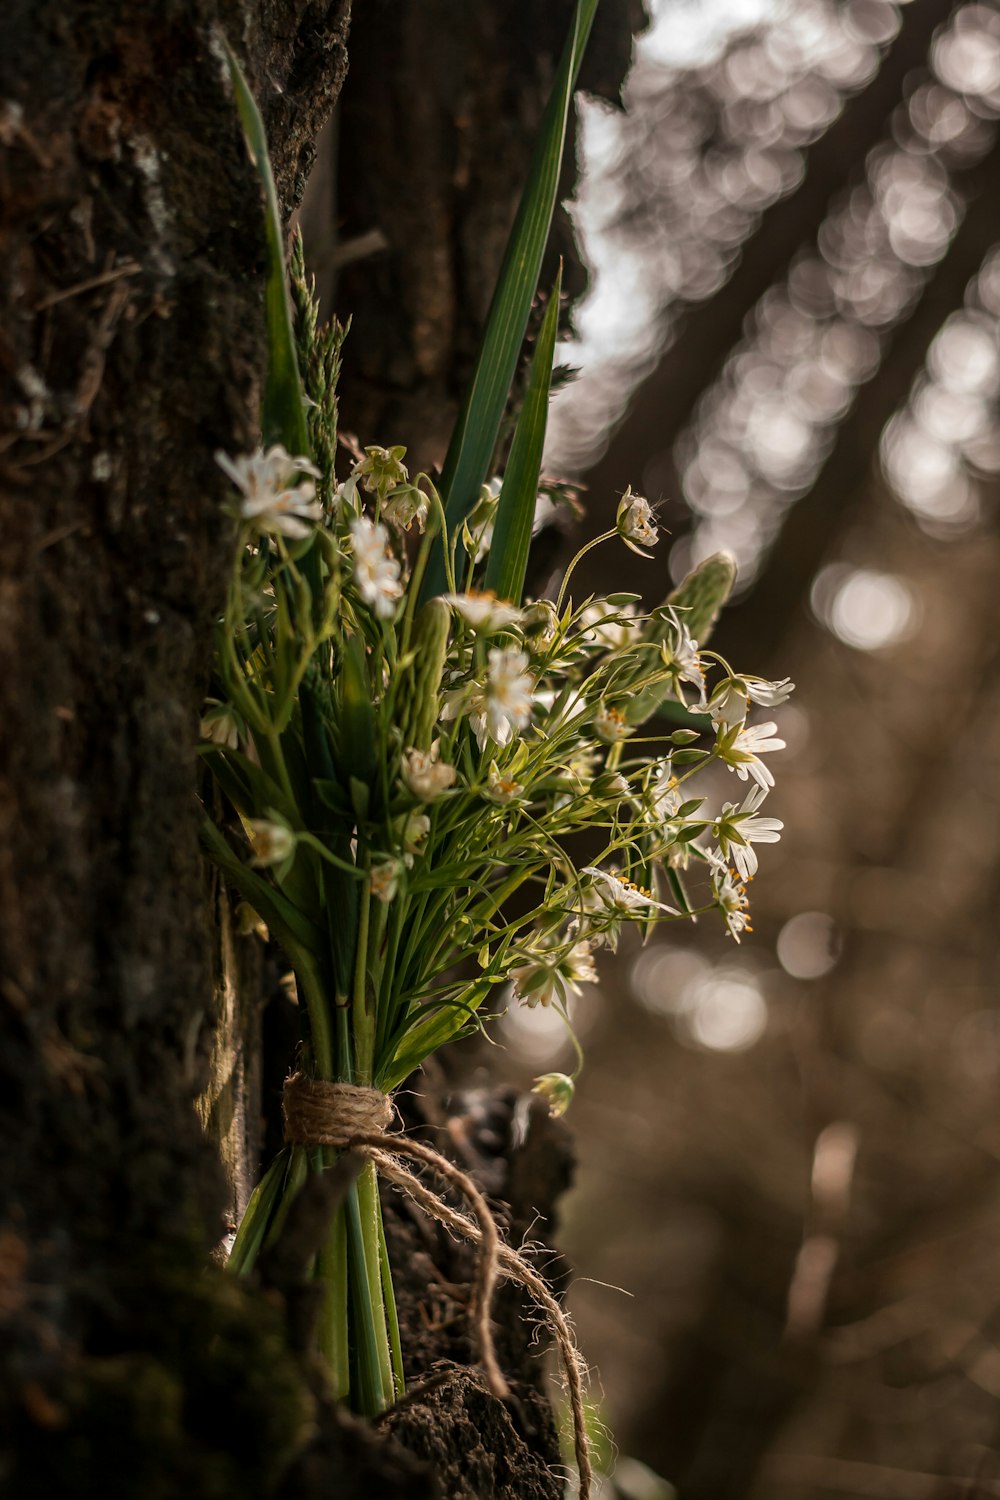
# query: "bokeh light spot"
864, 608
808, 945
728, 1012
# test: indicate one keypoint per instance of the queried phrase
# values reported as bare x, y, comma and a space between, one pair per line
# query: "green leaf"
471, 449
283, 417
516, 512
294, 931
332, 795
357, 718
677, 890
257, 1218
248, 787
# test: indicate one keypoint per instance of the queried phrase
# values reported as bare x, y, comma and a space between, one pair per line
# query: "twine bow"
352, 1117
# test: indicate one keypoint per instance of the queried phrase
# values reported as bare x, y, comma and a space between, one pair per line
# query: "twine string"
349, 1116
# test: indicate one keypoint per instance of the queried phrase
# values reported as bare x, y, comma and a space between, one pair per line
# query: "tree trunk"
132, 245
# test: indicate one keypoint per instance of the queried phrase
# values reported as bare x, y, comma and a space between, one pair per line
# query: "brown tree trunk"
131, 261
131, 236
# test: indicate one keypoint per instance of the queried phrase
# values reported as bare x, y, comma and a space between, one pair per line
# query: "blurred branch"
838, 497
666, 400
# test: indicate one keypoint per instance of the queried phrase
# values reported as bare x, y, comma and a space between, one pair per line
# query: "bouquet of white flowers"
412, 748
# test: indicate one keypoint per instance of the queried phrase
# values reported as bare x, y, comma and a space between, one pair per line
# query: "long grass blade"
516, 511
283, 415
471, 449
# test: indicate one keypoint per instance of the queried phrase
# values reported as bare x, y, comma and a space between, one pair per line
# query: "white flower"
610, 725
540, 622
345, 497
740, 748
425, 774
385, 879
679, 655
737, 829
502, 790
414, 830
609, 901
483, 541
272, 842
731, 898
619, 630
406, 505
729, 703
482, 611
661, 797
635, 523
768, 694
506, 704
623, 897
376, 571
222, 725
553, 972
477, 529
732, 697
271, 498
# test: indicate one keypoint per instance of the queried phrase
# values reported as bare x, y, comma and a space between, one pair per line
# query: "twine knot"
332, 1114
346, 1115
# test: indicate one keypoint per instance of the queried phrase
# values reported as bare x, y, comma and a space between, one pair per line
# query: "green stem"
372, 1395
257, 1219
389, 1297
334, 1339
587, 547
359, 1009
295, 1175
321, 1036
371, 1230
371, 1338
386, 1009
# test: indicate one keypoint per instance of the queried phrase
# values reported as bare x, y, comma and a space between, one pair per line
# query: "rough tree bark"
132, 252
131, 259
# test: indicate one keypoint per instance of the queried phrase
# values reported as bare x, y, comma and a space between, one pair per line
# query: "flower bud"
610, 784
557, 1089
249, 923
272, 843
382, 470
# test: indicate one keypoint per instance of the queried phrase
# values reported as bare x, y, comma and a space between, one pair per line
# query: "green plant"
410, 745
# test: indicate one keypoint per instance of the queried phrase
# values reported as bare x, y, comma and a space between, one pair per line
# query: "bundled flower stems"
411, 746
408, 775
